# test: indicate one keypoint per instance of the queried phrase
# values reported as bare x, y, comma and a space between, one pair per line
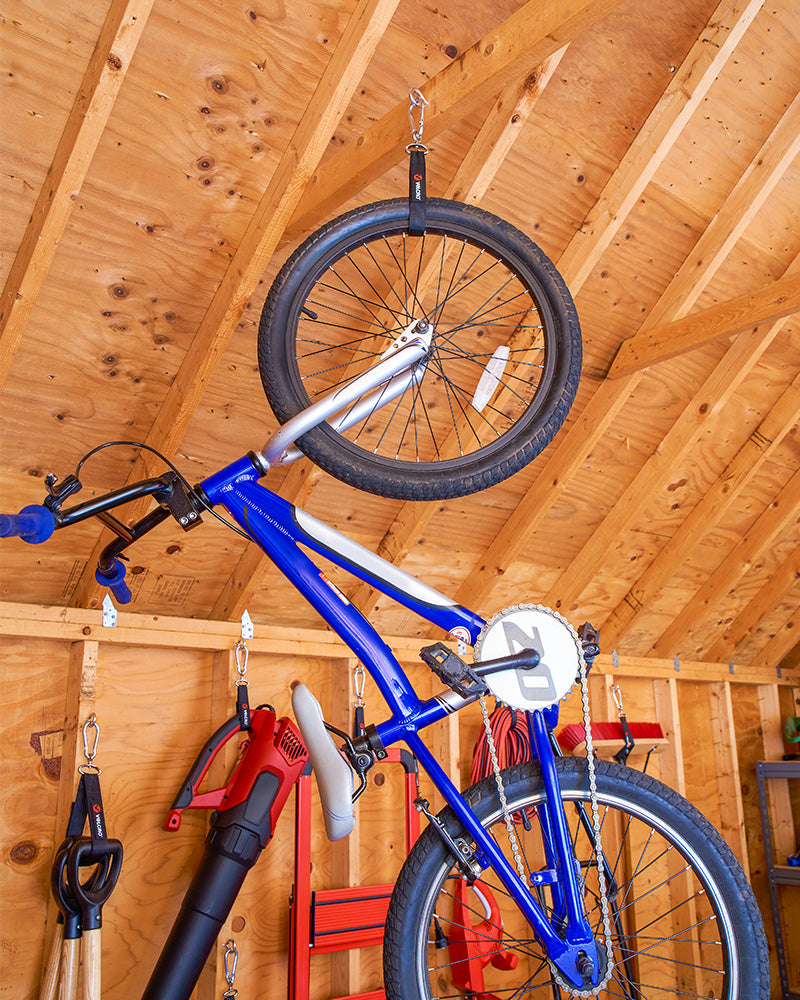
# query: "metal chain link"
596, 830
512, 834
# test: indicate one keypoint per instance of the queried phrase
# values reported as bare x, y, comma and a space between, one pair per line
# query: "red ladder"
330, 920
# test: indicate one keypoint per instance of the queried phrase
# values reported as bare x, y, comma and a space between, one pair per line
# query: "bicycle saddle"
334, 774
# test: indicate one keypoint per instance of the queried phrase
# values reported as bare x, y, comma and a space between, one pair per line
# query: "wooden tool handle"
70, 961
50, 978
90, 954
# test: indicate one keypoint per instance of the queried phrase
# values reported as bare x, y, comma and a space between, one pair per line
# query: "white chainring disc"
530, 626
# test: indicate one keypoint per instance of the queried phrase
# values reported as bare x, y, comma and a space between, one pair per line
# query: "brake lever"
58, 492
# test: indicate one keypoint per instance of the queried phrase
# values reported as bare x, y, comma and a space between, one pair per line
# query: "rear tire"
490, 294
684, 919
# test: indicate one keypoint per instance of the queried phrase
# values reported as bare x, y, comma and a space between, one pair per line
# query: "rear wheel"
684, 921
503, 365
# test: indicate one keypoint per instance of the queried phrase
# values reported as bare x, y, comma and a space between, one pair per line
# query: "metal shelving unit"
779, 875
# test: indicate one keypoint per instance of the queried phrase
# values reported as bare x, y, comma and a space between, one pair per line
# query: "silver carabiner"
359, 679
90, 752
231, 961
241, 662
417, 101
617, 695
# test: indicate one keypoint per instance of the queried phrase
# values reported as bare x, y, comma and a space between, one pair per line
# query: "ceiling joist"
781, 298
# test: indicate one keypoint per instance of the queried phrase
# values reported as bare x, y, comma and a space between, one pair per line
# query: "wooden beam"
782, 643
726, 755
681, 438
297, 164
84, 127
524, 40
658, 134
778, 515
159, 631
708, 512
748, 311
79, 705
572, 447
747, 619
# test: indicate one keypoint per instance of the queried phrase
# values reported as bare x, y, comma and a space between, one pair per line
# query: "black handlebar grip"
33, 524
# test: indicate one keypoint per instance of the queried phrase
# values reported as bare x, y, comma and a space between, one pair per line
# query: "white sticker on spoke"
491, 377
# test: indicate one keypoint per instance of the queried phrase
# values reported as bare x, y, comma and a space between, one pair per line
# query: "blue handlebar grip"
34, 524
115, 581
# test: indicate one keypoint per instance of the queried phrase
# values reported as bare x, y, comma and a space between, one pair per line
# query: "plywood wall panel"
34, 679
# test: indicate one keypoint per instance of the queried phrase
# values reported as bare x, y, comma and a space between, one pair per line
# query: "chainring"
530, 626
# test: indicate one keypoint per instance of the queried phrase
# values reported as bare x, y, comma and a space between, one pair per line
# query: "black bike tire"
406, 938
429, 480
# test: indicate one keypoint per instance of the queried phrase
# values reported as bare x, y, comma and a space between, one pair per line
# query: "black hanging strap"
88, 806
243, 707
417, 197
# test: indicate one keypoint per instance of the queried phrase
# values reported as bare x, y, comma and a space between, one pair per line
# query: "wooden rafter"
334, 91
752, 190
567, 454
689, 85
774, 520
84, 127
781, 298
707, 402
707, 513
779, 586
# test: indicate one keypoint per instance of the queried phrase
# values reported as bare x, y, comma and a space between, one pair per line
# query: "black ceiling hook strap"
417, 198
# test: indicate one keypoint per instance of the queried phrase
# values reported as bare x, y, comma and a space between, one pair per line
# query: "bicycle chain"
590, 767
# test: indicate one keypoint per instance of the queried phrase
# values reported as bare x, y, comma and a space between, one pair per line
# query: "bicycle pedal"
334, 775
452, 670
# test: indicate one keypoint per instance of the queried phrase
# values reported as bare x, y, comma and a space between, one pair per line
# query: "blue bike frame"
283, 532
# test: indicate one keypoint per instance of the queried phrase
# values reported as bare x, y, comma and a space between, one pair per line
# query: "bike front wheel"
501, 372
684, 922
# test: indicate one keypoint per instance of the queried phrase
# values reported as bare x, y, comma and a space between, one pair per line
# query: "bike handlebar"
33, 524
36, 523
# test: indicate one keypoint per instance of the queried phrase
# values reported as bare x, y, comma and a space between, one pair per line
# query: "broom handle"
50, 978
91, 964
70, 960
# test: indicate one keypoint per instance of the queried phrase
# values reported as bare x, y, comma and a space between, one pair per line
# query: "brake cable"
170, 465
